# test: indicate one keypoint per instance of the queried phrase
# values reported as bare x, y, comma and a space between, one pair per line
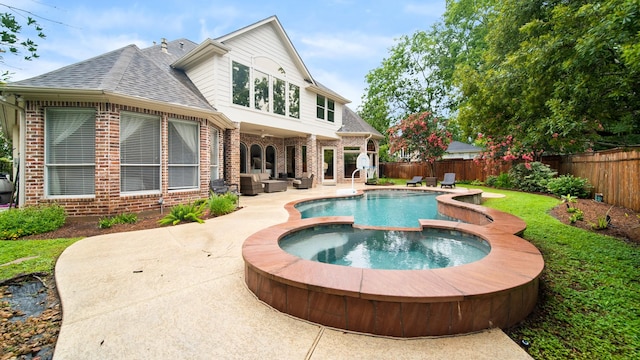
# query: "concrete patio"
179, 293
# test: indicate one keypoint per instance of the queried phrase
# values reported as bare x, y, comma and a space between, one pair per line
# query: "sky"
340, 41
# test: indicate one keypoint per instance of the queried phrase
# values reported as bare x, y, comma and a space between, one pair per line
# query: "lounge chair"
415, 181
219, 187
449, 180
303, 182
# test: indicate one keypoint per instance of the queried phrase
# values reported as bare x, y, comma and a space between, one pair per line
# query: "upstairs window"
325, 108
320, 106
294, 101
240, 86
70, 152
261, 90
279, 100
139, 153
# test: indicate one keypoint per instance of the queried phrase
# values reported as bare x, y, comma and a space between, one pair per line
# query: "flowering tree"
422, 136
502, 151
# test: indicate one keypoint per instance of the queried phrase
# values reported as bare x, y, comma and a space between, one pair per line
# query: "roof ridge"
115, 75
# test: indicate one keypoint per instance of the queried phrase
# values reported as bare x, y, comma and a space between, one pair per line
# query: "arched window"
243, 158
256, 158
270, 160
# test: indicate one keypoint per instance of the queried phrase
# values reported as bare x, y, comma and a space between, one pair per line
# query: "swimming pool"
499, 290
379, 249
388, 208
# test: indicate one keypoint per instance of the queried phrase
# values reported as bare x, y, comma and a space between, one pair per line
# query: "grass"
45, 253
589, 304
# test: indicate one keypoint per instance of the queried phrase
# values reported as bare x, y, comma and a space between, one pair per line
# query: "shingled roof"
129, 71
353, 123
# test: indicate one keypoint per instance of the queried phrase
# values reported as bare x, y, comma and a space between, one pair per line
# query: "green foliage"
560, 76
124, 218
491, 181
11, 43
600, 224
15, 223
422, 135
577, 215
184, 212
222, 204
587, 308
502, 181
531, 177
568, 185
41, 255
569, 199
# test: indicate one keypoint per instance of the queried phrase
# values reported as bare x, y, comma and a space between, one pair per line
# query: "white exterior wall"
262, 49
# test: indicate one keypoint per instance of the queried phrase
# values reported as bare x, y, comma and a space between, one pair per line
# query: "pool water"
387, 208
383, 249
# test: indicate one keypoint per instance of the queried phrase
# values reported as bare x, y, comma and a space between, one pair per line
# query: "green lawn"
45, 253
589, 305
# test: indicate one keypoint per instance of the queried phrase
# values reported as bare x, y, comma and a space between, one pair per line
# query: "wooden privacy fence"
613, 173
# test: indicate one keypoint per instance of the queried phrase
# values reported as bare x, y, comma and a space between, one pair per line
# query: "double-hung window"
214, 162
70, 152
139, 153
325, 108
184, 162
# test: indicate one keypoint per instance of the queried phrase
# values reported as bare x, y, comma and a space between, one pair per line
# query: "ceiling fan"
263, 134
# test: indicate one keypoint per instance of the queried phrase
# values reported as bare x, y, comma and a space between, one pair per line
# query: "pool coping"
511, 269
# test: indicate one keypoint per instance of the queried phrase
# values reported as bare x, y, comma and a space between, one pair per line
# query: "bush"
222, 204
118, 219
16, 223
569, 185
189, 212
532, 177
491, 180
503, 181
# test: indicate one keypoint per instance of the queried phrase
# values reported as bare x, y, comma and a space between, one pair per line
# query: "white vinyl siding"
214, 162
184, 162
70, 152
139, 153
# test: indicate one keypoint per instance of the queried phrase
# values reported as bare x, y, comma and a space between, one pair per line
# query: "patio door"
328, 166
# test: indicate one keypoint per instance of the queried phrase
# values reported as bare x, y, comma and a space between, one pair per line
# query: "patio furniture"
303, 182
415, 181
250, 184
274, 185
449, 180
430, 181
219, 187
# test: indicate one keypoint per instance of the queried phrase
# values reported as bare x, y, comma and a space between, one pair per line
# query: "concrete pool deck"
179, 293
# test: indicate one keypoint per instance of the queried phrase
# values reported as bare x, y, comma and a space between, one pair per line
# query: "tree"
557, 76
421, 135
12, 43
409, 81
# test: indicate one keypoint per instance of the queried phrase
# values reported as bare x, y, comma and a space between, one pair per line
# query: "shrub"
491, 180
189, 212
503, 181
16, 223
577, 215
531, 177
106, 223
222, 204
569, 185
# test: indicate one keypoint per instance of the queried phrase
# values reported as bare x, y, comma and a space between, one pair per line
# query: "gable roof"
275, 22
353, 124
460, 147
131, 75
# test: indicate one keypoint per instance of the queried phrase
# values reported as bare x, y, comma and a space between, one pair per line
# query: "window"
214, 162
240, 79
243, 158
294, 101
270, 161
261, 91
350, 159
304, 158
70, 152
279, 100
320, 107
139, 153
184, 163
330, 110
256, 158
